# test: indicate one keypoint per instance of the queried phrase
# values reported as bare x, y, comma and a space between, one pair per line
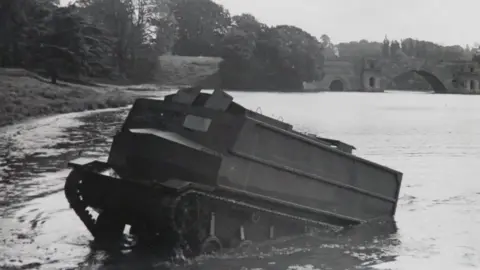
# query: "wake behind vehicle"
201, 172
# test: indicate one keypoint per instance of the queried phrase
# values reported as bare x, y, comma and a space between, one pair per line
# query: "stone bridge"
374, 75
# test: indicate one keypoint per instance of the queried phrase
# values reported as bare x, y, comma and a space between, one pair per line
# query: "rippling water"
433, 139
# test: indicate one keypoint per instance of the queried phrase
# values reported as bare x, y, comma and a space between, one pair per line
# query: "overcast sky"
446, 22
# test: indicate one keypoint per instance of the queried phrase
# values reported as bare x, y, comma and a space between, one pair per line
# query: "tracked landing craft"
200, 172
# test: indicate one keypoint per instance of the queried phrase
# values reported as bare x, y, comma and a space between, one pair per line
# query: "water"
433, 139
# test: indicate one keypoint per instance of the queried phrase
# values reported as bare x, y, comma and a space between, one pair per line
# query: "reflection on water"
31, 157
37, 228
433, 139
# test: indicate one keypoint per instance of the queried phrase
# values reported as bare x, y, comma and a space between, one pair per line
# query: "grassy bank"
24, 95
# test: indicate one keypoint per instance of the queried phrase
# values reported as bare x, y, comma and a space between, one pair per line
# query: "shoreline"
53, 117
6, 122
23, 97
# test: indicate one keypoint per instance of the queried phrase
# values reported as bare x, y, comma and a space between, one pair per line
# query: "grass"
24, 96
186, 71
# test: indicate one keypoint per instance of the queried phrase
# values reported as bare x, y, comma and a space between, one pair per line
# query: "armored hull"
199, 172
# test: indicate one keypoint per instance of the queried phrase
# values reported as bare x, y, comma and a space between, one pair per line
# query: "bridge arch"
338, 84
436, 84
372, 82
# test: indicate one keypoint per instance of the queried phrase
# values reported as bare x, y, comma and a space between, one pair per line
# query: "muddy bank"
23, 96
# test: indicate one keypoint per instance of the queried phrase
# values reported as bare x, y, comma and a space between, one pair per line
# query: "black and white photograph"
239, 135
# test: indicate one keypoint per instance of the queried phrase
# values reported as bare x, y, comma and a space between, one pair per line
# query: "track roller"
211, 245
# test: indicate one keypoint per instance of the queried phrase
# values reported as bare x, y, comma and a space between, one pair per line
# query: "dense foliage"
39, 34
91, 37
281, 57
405, 48
122, 39
425, 49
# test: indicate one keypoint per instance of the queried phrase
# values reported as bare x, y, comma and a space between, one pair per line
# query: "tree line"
121, 39
397, 50
97, 38
425, 49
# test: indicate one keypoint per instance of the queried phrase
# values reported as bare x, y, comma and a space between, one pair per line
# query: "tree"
299, 52
281, 57
201, 27
71, 43
22, 22
406, 47
127, 24
386, 48
249, 24
166, 34
239, 43
326, 41
329, 49
394, 48
40, 35
360, 49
